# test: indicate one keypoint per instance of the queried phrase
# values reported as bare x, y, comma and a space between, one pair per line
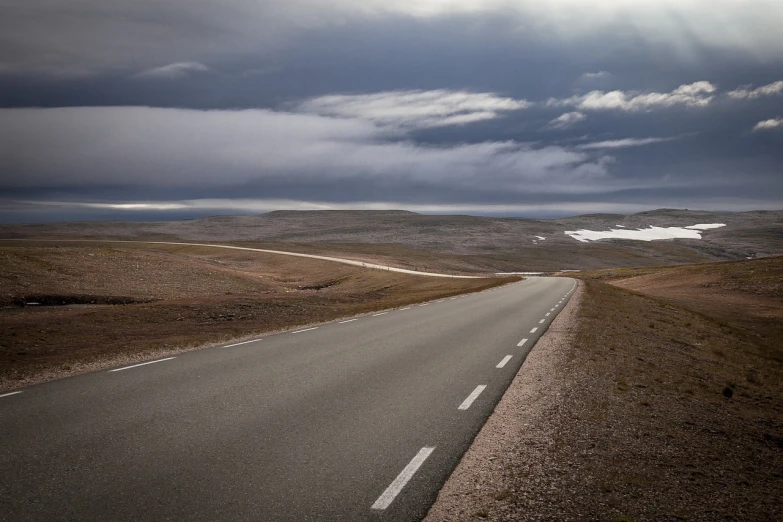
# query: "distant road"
280, 252
361, 419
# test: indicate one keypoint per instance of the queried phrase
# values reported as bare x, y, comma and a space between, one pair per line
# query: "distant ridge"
481, 243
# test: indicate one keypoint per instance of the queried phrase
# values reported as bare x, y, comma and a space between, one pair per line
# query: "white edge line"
425, 304
472, 397
237, 344
523, 341
388, 496
407, 308
348, 321
503, 362
141, 364
382, 313
534, 330
305, 330
9, 394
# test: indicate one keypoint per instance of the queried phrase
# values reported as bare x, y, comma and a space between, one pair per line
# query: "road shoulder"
517, 437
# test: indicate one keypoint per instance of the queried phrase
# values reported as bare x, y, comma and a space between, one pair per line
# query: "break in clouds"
482, 107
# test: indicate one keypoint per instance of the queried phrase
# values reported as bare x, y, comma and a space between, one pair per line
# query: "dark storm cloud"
427, 104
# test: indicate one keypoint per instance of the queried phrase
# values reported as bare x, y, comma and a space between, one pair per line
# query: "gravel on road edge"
516, 436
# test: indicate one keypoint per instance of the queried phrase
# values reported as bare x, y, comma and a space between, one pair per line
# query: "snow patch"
644, 234
706, 226
621, 226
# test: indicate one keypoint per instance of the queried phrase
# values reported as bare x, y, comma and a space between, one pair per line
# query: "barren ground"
98, 305
641, 408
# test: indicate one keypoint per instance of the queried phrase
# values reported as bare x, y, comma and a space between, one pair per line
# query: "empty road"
360, 419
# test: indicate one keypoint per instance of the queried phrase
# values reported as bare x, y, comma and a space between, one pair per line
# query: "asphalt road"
358, 420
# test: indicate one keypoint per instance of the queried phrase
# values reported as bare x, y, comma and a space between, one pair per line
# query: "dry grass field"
100, 303
669, 403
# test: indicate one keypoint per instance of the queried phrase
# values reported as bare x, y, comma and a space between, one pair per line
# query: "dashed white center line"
547, 314
388, 496
305, 330
541, 321
382, 313
472, 397
244, 342
9, 394
552, 310
347, 321
141, 364
534, 330
503, 362
523, 341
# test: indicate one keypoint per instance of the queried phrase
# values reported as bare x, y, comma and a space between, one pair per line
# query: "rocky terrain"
482, 243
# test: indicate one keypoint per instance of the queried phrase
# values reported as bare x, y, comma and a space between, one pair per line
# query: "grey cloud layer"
504, 103
89, 36
140, 146
338, 140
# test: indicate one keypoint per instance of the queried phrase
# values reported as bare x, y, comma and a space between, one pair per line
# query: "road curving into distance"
360, 419
344, 261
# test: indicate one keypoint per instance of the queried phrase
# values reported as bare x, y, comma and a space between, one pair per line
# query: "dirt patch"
102, 304
655, 411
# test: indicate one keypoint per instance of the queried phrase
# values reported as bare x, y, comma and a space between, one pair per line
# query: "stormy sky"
157, 109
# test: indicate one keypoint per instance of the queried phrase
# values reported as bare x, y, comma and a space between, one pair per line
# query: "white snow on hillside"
644, 234
706, 226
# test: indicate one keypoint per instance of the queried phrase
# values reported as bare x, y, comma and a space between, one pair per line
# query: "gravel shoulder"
496, 477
